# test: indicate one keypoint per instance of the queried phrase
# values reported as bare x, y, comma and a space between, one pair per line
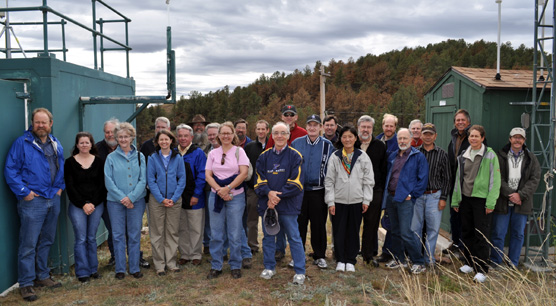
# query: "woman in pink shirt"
225, 171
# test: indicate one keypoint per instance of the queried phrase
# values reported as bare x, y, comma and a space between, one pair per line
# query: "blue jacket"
315, 160
197, 161
124, 177
413, 179
280, 172
391, 145
27, 169
166, 183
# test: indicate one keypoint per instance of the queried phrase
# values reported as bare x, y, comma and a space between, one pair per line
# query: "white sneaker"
350, 267
394, 264
341, 267
268, 274
321, 263
480, 277
298, 279
418, 269
291, 264
466, 269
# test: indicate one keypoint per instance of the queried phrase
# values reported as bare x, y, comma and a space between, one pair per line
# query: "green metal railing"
97, 35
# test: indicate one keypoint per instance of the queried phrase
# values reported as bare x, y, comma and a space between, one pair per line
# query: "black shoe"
83, 279
112, 261
454, 249
144, 264
279, 256
96, 275
246, 263
236, 273
137, 274
384, 258
213, 273
374, 263
161, 273
120, 275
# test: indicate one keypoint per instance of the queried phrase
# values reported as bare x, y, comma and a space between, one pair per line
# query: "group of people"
208, 185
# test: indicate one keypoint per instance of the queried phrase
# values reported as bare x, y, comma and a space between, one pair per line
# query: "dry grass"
367, 286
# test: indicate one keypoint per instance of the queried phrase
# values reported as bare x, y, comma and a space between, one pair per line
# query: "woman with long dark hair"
84, 177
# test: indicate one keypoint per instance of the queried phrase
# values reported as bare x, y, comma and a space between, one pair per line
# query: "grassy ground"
367, 286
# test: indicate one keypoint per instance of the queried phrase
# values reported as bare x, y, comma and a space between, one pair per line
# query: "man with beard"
105, 147
241, 131
388, 136
34, 172
408, 174
200, 138
376, 150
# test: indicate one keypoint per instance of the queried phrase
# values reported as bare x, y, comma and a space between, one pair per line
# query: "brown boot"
28, 293
48, 283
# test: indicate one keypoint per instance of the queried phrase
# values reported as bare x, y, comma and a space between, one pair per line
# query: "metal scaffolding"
542, 133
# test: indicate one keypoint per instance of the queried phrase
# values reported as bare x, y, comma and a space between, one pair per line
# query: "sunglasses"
223, 159
289, 115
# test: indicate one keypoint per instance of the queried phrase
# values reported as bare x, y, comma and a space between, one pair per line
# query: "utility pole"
323, 76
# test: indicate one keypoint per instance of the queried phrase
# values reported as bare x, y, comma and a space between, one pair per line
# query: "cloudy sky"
233, 42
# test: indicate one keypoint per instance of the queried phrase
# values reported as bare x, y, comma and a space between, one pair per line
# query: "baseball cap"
289, 109
517, 131
314, 118
270, 219
429, 127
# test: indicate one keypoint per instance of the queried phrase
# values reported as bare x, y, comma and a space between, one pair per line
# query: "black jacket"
377, 153
253, 150
530, 177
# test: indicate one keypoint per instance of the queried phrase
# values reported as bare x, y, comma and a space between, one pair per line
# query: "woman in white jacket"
348, 191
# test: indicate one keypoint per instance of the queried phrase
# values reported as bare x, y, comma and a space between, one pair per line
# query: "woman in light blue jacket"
166, 179
125, 177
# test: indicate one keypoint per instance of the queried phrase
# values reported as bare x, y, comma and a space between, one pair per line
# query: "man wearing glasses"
289, 117
279, 186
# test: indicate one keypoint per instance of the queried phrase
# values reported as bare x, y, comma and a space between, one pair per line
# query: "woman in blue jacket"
125, 177
166, 179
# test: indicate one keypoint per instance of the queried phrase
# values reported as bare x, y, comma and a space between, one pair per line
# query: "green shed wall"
57, 86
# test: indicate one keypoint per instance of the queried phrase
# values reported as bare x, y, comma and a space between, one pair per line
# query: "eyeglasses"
289, 114
223, 160
280, 133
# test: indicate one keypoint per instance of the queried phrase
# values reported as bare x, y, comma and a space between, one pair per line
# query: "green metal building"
490, 102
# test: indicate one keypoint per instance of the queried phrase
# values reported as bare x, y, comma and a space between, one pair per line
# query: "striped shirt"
439, 170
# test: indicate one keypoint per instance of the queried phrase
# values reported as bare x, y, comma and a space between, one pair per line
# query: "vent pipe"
498, 77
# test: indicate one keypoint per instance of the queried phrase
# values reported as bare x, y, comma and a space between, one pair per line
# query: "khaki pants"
192, 222
163, 228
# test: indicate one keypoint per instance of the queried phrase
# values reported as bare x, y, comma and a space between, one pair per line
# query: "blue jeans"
85, 230
37, 232
500, 225
128, 221
401, 215
226, 223
281, 241
426, 209
288, 225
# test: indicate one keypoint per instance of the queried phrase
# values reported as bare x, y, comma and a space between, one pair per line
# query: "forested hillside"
393, 82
